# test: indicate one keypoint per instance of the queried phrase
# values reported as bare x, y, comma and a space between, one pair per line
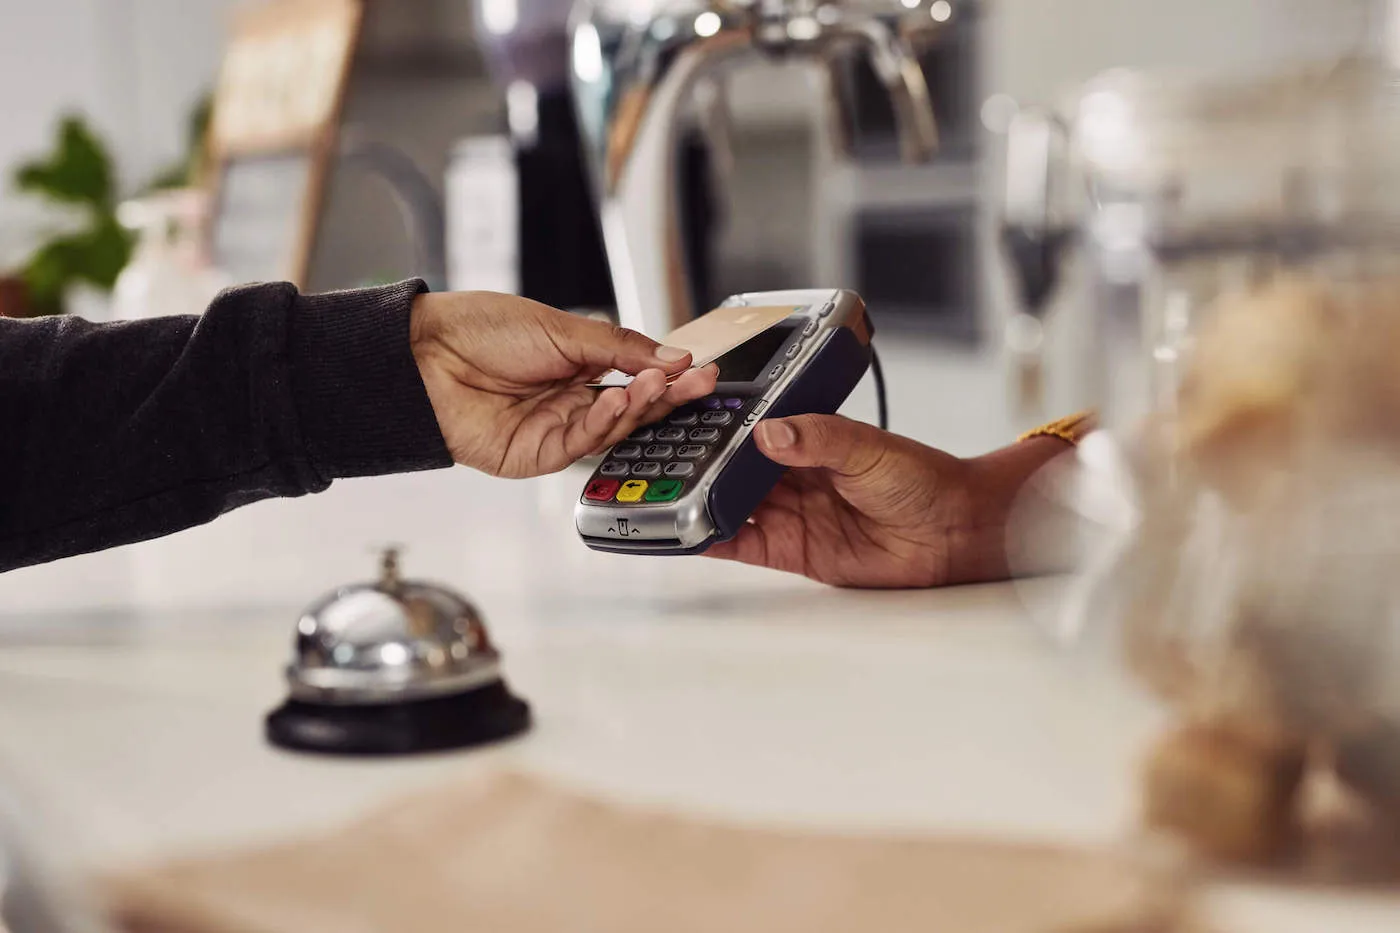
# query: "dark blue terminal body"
694, 478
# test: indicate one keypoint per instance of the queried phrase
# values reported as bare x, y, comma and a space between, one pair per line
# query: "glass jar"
1157, 196
1229, 258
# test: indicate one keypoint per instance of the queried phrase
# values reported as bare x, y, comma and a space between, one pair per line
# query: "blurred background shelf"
918, 241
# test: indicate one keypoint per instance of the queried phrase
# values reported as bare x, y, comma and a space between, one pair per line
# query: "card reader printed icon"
623, 528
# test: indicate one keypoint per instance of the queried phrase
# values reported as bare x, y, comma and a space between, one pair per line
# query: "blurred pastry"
1227, 794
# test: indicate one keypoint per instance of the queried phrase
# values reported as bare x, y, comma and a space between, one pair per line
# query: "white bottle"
167, 274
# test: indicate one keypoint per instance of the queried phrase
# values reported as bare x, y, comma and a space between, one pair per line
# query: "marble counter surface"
133, 683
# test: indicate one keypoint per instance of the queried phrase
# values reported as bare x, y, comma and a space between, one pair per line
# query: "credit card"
710, 336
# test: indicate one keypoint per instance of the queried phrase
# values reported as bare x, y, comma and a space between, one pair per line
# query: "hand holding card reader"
695, 477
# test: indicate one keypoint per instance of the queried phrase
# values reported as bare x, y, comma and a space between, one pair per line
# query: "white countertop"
133, 685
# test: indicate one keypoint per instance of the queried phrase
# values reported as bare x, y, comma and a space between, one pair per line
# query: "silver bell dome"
390, 641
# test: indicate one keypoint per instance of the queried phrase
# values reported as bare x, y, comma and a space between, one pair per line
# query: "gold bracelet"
1071, 430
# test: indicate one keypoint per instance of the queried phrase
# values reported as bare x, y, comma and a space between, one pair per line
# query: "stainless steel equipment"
523, 218
394, 666
633, 76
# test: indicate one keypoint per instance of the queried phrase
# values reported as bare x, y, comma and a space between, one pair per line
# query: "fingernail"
777, 434
671, 354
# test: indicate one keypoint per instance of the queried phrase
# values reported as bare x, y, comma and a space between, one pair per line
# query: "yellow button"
632, 491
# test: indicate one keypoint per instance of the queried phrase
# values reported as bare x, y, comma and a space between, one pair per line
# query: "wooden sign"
273, 134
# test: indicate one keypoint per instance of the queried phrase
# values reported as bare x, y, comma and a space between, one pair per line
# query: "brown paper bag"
512, 855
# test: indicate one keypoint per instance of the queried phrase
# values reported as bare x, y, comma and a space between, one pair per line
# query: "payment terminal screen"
749, 360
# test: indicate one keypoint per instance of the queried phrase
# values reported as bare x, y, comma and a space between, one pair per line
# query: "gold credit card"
711, 336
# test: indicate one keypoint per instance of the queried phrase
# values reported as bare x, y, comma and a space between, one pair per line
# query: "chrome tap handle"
632, 87
898, 69
633, 83
1033, 228
840, 109
717, 124
881, 31
1036, 240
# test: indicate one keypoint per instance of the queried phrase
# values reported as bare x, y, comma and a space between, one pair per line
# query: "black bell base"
476, 717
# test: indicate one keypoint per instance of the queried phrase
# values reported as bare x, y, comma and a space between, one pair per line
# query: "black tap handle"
1035, 259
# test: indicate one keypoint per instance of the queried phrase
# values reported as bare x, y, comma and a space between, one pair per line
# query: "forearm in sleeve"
115, 433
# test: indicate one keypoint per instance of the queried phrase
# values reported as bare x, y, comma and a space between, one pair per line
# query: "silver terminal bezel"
686, 522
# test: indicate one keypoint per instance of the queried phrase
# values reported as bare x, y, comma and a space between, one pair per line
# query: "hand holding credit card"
711, 336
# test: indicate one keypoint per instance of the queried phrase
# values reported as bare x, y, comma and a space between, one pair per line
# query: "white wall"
1041, 47
177, 46
45, 64
134, 67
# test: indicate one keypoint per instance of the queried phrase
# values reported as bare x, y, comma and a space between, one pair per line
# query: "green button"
664, 490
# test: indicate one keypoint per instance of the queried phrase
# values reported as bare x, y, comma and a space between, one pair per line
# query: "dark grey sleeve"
114, 433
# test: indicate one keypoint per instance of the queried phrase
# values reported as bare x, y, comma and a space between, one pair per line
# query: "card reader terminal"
695, 477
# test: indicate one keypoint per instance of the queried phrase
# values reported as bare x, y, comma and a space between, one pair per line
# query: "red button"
602, 490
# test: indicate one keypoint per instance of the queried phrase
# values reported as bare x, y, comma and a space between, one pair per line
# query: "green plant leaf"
176, 176
78, 171
198, 126
105, 251
46, 277
96, 256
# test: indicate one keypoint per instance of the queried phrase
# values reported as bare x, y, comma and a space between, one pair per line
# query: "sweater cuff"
359, 396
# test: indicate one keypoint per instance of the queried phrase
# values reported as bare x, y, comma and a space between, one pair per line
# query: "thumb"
599, 345
838, 444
